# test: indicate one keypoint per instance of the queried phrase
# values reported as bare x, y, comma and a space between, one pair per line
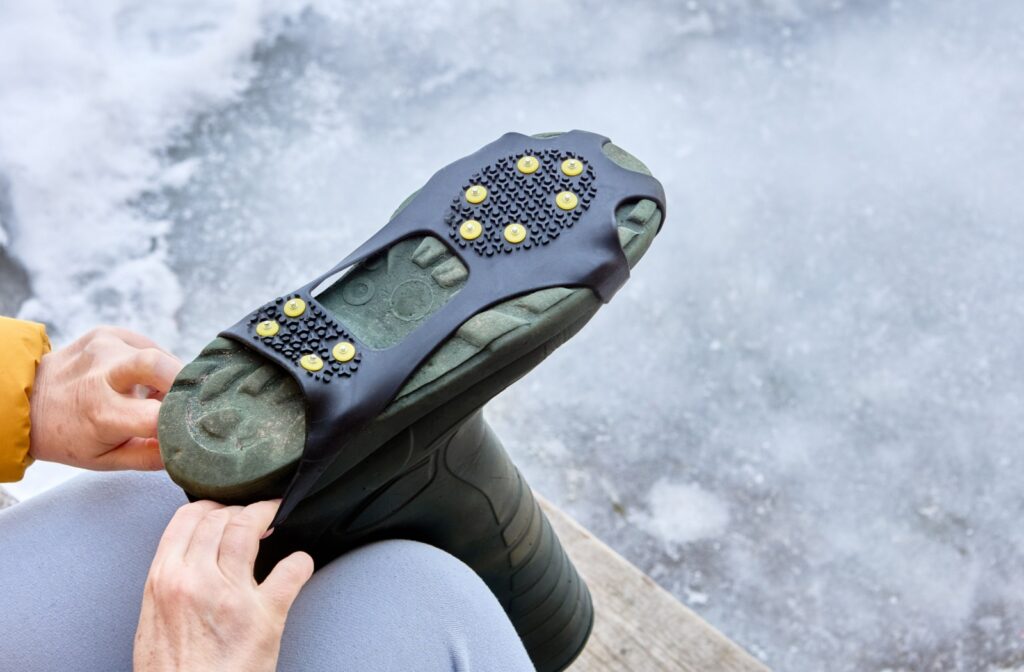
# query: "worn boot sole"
233, 428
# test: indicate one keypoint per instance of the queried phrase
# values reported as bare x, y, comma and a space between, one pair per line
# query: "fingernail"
266, 534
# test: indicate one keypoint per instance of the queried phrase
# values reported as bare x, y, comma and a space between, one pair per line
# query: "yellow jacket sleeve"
22, 345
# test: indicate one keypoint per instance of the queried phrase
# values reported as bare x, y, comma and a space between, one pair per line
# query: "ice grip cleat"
542, 204
380, 374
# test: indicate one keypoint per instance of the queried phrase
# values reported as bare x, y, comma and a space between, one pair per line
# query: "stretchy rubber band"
554, 241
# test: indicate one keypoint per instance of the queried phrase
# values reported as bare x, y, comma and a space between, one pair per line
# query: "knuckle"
295, 570
98, 414
92, 347
241, 521
218, 514
232, 548
170, 586
99, 334
191, 510
177, 589
92, 334
98, 344
147, 360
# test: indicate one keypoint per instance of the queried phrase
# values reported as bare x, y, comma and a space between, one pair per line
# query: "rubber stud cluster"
308, 336
521, 201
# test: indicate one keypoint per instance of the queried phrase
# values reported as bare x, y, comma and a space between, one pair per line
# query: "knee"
418, 573
401, 605
411, 580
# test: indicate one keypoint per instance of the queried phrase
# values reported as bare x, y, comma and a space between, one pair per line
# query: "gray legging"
73, 562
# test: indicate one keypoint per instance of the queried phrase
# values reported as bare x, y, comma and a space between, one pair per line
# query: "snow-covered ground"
805, 413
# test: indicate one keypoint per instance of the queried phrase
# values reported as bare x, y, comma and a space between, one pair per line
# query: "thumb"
286, 579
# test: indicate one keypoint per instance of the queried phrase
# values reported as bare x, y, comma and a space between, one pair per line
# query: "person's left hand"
95, 403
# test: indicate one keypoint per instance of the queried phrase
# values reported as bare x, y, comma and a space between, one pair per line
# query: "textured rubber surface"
426, 468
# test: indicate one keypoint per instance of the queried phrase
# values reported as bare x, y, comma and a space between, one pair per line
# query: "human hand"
202, 610
87, 409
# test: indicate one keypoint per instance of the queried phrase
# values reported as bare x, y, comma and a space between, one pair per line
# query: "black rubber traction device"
575, 247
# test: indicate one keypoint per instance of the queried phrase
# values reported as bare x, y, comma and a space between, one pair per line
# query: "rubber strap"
564, 248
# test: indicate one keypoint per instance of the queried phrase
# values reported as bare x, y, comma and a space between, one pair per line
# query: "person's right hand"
94, 404
202, 610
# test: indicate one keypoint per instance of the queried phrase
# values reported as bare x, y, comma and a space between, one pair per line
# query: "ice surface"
91, 92
804, 414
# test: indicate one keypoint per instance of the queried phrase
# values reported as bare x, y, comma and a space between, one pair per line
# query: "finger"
137, 454
176, 537
286, 580
129, 418
242, 537
115, 335
133, 339
205, 544
150, 367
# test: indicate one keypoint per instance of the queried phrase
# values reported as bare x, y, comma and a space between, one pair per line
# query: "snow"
91, 93
803, 415
680, 513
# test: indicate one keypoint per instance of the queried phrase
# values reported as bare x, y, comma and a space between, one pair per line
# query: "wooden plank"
639, 626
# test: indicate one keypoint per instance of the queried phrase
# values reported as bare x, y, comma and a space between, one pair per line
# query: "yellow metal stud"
528, 164
566, 200
471, 229
311, 362
267, 328
344, 351
572, 167
476, 194
515, 233
294, 307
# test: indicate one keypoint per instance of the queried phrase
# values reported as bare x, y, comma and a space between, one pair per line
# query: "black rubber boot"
461, 493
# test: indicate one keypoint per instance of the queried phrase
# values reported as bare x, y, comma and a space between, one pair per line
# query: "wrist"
38, 410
